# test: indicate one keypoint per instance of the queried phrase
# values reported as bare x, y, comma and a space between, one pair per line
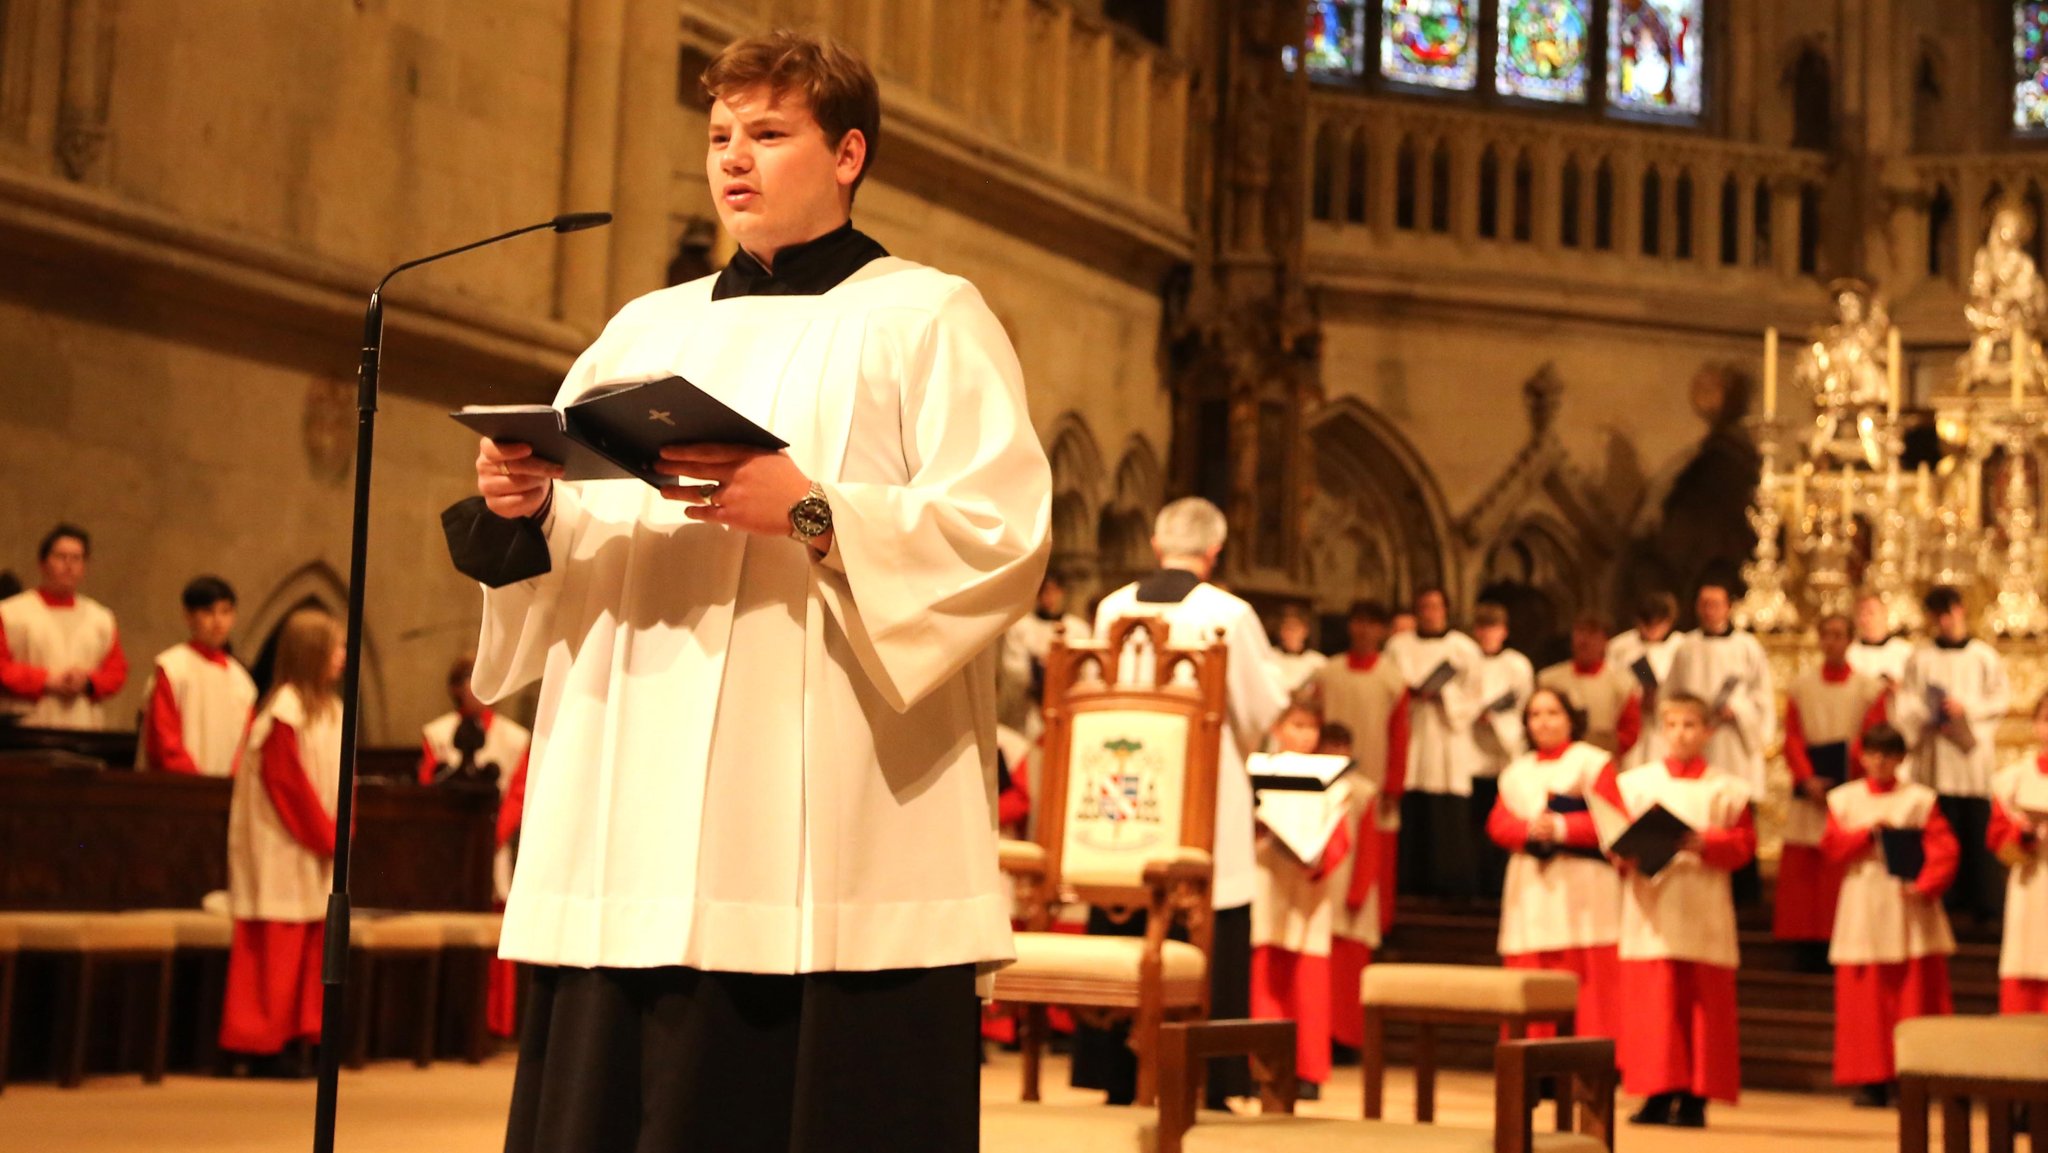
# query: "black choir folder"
1830, 761
1296, 772
1438, 677
1651, 840
617, 431
1904, 852
1955, 729
1646, 673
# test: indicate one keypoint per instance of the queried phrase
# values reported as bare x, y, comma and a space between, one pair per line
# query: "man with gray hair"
1187, 537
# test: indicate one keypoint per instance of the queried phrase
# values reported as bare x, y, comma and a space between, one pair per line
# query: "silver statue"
1845, 369
2007, 299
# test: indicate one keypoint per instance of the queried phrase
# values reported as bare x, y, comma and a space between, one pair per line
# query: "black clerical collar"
1045, 614
1432, 636
1945, 643
1167, 586
807, 269
1724, 631
1876, 644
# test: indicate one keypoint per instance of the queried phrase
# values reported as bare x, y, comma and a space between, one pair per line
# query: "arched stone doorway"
1376, 526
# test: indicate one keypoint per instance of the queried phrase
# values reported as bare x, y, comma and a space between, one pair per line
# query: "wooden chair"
1133, 730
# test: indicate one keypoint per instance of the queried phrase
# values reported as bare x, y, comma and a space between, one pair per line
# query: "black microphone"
566, 222
578, 221
334, 960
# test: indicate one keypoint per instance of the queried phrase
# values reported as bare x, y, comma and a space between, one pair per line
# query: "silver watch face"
811, 517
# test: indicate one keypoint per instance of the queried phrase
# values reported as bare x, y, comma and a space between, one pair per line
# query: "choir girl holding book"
1561, 905
1303, 838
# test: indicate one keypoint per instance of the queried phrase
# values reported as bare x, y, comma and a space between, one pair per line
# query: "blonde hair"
303, 658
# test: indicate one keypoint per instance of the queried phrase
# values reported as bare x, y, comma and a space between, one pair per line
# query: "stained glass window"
2030, 68
1429, 42
1654, 57
1336, 39
1542, 52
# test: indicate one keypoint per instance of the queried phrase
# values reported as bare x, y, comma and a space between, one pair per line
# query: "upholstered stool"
1034, 1127
1581, 1071
375, 944
1291, 1133
199, 983
10, 942
468, 947
2002, 1061
83, 944
1433, 995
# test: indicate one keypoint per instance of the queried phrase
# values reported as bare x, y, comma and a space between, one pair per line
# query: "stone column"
597, 30
1547, 199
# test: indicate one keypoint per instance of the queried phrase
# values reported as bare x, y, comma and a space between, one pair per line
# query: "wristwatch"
811, 517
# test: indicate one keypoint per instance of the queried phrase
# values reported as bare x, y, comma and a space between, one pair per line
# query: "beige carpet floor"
393, 1107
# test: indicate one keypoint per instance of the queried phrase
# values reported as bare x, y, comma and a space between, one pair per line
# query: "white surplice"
1884, 660
1972, 675
1253, 703
1622, 652
1496, 734
1441, 755
746, 760
1704, 663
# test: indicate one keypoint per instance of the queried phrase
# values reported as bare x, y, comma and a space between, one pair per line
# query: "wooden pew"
82, 834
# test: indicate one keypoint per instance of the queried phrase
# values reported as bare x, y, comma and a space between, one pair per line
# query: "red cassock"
1825, 706
199, 704
2023, 952
501, 1013
1891, 938
1293, 910
1678, 945
280, 851
44, 633
1560, 906
1366, 694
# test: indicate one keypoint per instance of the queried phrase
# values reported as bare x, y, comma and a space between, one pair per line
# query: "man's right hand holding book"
512, 481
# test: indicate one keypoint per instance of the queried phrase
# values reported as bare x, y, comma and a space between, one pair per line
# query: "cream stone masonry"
189, 254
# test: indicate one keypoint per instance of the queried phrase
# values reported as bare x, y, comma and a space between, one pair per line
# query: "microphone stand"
334, 960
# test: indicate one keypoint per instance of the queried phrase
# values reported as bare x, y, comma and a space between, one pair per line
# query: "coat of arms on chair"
1133, 734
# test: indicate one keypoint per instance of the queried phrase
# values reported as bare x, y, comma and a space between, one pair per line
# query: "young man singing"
758, 870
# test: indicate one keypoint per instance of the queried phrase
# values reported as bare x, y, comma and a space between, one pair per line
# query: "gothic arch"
1124, 533
1544, 571
315, 583
1809, 79
1077, 496
1380, 525
1930, 70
